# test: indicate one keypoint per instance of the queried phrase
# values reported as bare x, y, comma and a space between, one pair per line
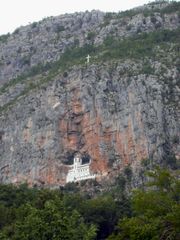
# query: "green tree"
156, 210
54, 222
100, 211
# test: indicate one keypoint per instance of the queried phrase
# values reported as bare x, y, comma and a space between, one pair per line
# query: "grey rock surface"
45, 41
115, 119
114, 111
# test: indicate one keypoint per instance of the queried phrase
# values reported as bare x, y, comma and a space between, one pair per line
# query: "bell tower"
77, 161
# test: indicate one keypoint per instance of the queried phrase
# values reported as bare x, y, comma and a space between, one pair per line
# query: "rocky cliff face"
116, 112
45, 41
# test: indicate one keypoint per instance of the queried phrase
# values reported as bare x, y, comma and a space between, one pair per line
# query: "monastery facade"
79, 171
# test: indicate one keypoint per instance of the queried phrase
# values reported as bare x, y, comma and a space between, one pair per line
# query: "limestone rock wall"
45, 41
117, 112
96, 110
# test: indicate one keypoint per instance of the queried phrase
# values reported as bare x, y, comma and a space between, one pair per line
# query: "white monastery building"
79, 171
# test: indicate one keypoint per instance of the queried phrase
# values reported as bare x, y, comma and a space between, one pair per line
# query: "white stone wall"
79, 171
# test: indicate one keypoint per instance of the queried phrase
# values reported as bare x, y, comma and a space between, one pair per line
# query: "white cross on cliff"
88, 58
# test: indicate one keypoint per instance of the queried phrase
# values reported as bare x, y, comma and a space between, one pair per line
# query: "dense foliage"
155, 210
31, 213
39, 214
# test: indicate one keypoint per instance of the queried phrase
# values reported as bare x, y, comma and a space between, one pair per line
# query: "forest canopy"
151, 212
